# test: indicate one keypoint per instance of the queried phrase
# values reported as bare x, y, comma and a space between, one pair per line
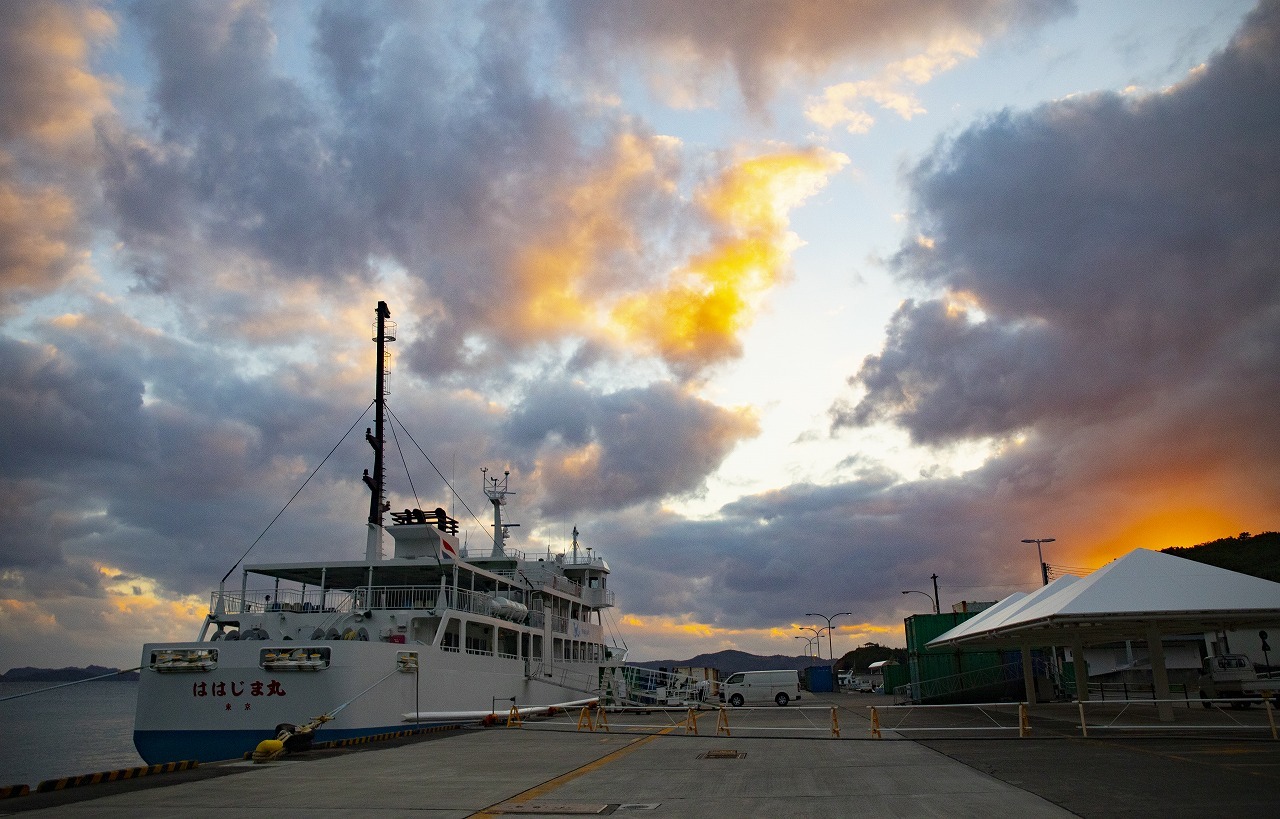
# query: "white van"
756, 687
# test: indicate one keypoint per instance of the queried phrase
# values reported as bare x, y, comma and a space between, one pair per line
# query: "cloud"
49, 102
697, 319
597, 452
1110, 295
841, 103
686, 45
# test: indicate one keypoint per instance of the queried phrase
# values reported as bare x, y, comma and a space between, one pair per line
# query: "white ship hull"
224, 712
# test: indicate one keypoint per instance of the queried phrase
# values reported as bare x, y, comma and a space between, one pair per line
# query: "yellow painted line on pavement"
551, 784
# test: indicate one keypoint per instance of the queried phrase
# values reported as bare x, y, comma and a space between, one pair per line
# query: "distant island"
731, 661
68, 674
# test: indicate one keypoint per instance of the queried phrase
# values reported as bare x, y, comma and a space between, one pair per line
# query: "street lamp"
808, 644
817, 639
1044, 568
933, 598
830, 628
926, 594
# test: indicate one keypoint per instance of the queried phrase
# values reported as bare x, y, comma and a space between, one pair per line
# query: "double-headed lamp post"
1044, 568
830, 647
808, 644
816, 638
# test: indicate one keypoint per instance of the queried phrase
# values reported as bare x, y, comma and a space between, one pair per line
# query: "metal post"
1028, 675
1081, 668
1159, 674
1044, 567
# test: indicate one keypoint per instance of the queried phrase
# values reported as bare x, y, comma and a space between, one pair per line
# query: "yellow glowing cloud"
696, 319
551, 276
130, 594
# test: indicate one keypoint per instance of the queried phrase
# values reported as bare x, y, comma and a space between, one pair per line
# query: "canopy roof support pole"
1028, 676
1159, 674
1081, 668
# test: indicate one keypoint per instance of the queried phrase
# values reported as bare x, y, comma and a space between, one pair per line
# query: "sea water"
77, 729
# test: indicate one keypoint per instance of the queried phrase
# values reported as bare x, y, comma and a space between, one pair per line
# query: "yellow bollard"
585, 717
1024, 724
835, 723
875, 723
513, 718
722, 724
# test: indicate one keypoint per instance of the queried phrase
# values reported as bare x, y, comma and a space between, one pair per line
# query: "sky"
785, 306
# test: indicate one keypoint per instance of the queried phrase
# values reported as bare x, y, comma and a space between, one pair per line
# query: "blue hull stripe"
157, 747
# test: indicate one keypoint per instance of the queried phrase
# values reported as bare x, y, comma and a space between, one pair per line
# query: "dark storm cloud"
1118, 248
761, 40
770, 558
126, 446
609, 451
242, 159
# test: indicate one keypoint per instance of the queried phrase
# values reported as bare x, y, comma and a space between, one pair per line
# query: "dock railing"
1126, 716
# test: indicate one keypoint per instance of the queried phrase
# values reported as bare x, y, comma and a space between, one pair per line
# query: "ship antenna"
496, 490
384, 331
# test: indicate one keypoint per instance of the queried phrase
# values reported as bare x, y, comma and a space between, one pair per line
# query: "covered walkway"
1144, 595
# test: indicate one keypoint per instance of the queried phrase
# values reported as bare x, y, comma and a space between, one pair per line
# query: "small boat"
433, 634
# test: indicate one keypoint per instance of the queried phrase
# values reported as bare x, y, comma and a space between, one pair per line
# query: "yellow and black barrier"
113, 776
8, 791
408, 732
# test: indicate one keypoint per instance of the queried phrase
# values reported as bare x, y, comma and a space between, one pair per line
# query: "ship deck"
651, 764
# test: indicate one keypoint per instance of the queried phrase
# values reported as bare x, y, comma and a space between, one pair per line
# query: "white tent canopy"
1142, 595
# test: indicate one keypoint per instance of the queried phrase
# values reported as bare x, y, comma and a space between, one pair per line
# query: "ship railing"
636, 686
597, 598
396, 597
262, 601
548, 579
485, 552
364, 598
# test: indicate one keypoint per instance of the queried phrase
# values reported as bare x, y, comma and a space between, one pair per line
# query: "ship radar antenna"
496, 491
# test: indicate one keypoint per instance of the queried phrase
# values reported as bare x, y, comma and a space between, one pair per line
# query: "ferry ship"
430, 635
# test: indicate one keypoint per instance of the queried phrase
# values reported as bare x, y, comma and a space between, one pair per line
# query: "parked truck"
1232, 677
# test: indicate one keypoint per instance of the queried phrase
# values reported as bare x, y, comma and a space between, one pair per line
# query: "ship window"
451, 639
508, 643
479, 638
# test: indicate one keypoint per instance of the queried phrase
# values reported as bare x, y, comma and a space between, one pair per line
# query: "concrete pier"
552, 768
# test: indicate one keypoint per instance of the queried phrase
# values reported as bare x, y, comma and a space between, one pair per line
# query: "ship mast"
496, 490
384, 331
